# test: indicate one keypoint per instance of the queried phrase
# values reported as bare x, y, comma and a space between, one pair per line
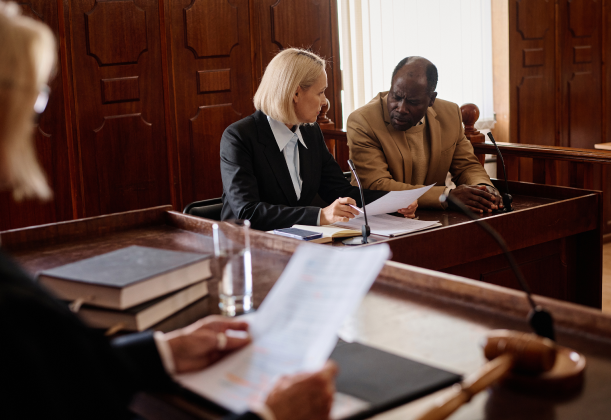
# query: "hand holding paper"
295, 328
393, 201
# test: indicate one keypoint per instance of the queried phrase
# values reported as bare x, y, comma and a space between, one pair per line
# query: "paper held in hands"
295, 329
394, 201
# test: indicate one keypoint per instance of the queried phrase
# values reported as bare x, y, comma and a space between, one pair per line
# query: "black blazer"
54, 367
256, 182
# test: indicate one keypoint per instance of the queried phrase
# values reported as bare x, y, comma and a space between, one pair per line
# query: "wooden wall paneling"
211, 86
50, 137
531, 68
581, 73
123, 145
298, 23
606, 82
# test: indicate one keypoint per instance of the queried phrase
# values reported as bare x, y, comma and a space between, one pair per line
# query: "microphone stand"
507, 198
539, 319
365, 229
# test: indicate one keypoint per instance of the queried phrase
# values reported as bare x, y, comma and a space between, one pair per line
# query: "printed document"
387, 225
394, 201
295, 329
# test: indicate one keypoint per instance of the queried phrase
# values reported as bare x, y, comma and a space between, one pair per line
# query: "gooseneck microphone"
539, 319
365, 229
507, 198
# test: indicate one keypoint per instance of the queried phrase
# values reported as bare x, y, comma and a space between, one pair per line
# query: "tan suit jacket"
382, 156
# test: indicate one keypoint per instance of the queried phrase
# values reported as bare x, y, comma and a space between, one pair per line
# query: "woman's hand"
204, 342
305, 396
338, 211
409, 211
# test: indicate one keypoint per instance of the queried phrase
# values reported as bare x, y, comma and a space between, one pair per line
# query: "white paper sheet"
295, 329
394, 201
387, 225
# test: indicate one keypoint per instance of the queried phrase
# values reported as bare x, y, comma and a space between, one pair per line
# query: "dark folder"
384, 380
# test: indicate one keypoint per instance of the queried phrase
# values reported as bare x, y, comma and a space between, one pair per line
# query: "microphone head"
351, 164
542, 323
491, 137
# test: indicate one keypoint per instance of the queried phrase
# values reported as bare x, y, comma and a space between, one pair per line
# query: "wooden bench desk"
437, 318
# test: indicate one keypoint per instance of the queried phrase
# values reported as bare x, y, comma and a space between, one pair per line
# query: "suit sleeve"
334, 185
372, 166
242, 191
465, 167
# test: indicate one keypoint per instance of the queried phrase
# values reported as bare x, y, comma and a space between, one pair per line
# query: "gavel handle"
490, 373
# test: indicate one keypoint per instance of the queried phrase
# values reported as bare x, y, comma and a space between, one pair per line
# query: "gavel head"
532, 354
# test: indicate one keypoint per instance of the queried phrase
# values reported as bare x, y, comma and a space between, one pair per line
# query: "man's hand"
409, 211
198, 346
478, 198
305, 396
338, 211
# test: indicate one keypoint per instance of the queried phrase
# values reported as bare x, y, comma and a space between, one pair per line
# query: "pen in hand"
356, 208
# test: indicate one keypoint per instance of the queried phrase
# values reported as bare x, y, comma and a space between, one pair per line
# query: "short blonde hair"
290, 69
27, 58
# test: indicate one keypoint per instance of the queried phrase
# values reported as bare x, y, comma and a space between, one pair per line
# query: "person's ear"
433, 96
296, 95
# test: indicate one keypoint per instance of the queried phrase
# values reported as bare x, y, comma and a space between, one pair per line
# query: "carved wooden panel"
116, 32
121, 129
583, 17
582, 54
276, 27
534, 57
584, 120
204, 129
211, 86
580, 65
51, 141
133, 177
290, 32
211, 27
532, 103
213, 81
120, 89
528, 18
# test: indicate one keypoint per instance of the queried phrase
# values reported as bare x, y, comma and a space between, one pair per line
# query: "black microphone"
507, 198
539, 319
365, 229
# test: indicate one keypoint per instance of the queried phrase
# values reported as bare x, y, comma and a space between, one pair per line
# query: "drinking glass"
233, 260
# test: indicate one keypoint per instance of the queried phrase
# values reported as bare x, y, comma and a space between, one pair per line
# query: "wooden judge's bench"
433, 317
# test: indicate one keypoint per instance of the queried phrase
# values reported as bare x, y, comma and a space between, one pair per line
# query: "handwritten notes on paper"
295, 329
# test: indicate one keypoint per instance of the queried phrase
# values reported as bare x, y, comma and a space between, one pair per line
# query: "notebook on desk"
377, 381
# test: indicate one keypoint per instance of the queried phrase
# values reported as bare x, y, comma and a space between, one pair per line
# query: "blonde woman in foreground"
275, 161
55, 367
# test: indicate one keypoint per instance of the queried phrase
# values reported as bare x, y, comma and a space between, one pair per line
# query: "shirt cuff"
446, 192
165, 352
263, 411
318, 220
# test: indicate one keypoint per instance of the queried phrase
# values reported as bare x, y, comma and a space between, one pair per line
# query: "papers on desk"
387, 225
295, 329
394, 201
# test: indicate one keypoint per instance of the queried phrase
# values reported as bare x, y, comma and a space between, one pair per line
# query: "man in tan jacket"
406, 139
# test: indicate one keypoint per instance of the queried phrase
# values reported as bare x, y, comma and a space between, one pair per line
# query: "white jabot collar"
282, 134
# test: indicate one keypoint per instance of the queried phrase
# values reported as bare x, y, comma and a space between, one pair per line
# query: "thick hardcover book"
378, 381
126, 277
145, 315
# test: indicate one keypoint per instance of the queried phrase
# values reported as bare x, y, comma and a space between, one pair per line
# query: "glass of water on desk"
233, 264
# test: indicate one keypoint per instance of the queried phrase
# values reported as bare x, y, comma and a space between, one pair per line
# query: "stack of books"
131, 288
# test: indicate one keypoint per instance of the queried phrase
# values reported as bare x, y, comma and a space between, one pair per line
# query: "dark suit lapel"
306, 164
275, 158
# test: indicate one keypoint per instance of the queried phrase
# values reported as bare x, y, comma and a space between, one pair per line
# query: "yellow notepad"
329, 232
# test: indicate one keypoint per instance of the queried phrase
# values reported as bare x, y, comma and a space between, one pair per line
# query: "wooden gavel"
506, 350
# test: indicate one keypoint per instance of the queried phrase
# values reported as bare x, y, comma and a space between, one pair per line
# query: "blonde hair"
27, 58
290, 69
